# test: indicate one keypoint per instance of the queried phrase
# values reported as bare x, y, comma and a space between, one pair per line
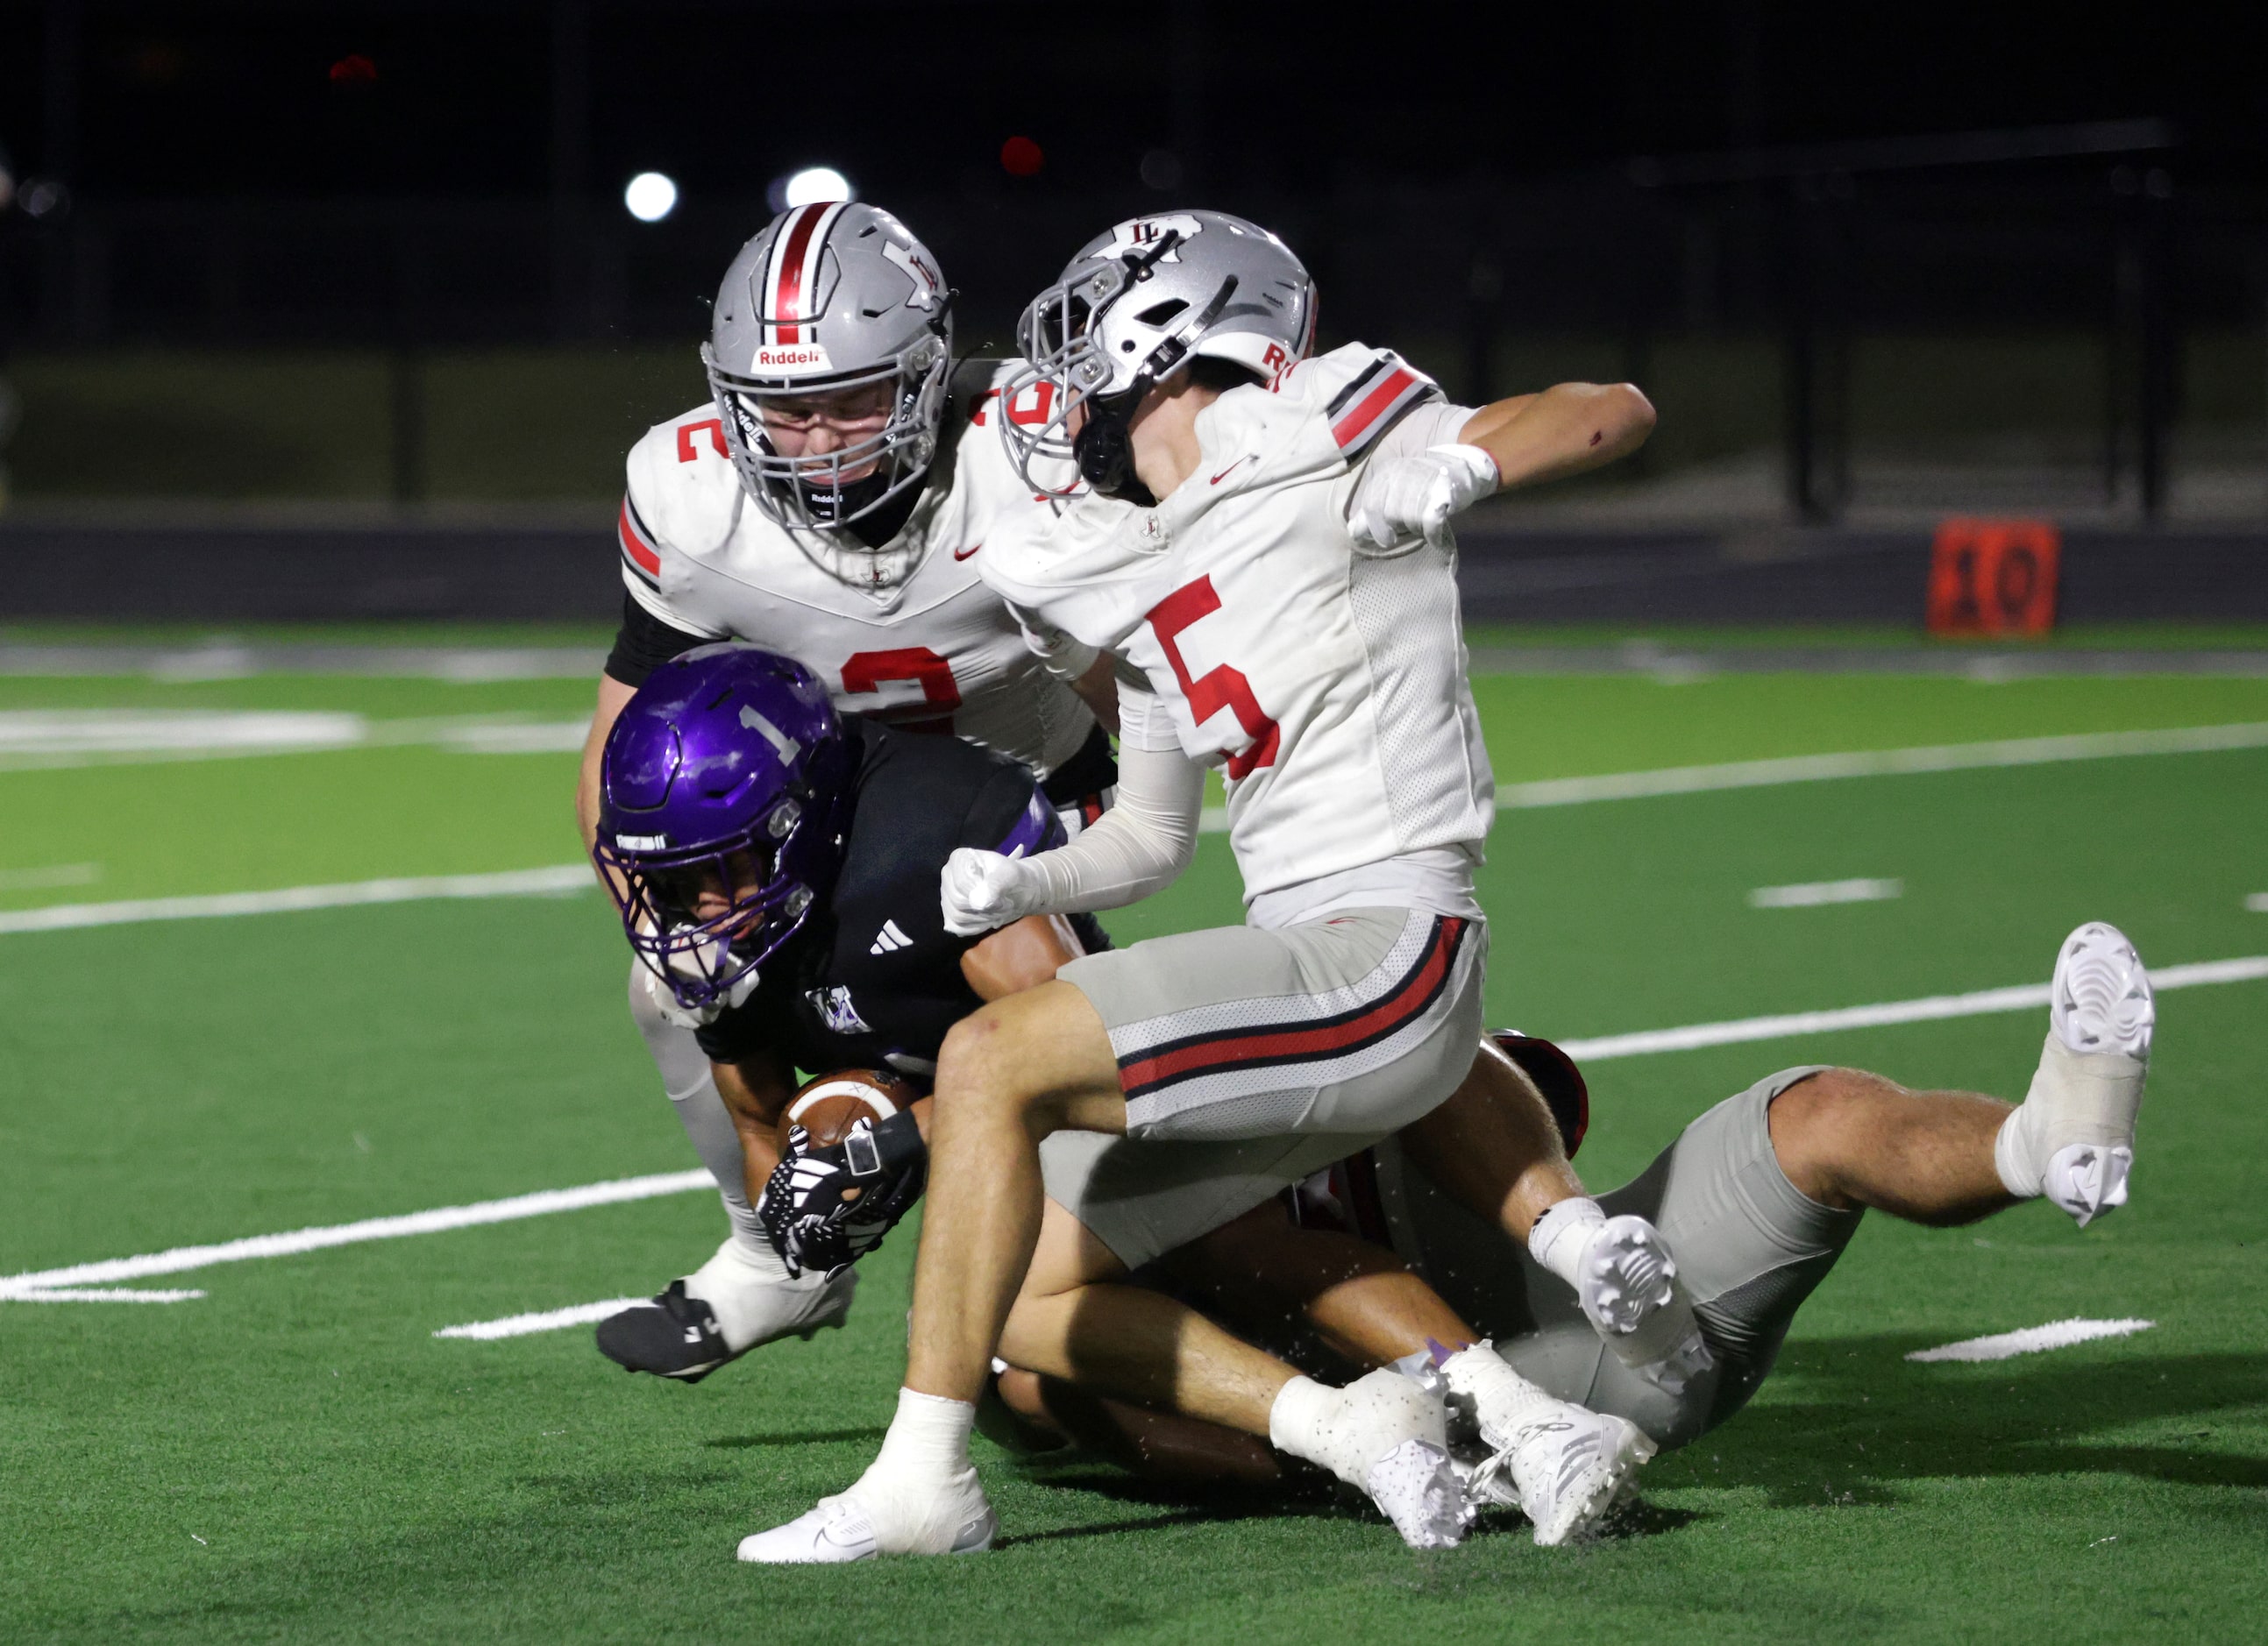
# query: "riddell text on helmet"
792, 357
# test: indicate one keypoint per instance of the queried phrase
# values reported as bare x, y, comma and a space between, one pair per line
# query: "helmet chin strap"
1104, 446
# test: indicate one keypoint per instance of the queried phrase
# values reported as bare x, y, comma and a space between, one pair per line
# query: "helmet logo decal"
1139, 233
791, 357
786, 746
928, 289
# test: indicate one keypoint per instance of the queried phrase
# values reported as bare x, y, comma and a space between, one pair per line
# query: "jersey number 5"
866, 672
1216, 689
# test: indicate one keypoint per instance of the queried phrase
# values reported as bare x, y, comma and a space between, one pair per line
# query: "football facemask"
832, 300
1133, 307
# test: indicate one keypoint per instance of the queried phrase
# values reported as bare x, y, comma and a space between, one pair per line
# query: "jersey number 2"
865, 672
1219, 688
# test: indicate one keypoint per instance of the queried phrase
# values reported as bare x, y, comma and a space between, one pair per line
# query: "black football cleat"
673, 1336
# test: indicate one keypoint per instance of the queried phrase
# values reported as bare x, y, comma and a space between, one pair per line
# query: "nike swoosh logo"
963, 553
1231, 469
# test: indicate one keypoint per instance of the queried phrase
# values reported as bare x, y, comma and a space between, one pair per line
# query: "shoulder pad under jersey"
683, 489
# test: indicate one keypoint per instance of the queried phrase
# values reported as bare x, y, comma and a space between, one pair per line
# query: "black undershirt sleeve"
645, 643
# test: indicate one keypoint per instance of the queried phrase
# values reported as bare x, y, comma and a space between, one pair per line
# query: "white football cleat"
2072, 1138
1567, 1466
2100, 999
1629, 1289
840, 1530
1417, 1487
1387, 1436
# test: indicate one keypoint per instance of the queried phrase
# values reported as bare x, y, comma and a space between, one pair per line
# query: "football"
830, 1105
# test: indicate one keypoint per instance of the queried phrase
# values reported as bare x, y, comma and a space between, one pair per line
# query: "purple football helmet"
723, 800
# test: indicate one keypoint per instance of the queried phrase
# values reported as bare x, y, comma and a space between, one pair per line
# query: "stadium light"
812, 186
650, 196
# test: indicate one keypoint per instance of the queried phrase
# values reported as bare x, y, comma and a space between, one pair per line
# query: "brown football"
830, 1105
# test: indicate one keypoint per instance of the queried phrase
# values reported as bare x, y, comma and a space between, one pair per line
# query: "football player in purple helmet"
776, 865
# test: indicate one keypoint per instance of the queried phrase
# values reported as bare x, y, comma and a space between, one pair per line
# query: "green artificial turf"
295, 1457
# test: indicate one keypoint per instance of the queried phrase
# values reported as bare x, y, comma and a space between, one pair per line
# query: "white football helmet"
1135, 305
831, 296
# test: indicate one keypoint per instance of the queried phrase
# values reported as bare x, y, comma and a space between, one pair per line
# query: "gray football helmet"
1135, 305
832, 296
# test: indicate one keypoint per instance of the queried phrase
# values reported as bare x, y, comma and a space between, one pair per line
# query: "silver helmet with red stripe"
828, 354
1136, 305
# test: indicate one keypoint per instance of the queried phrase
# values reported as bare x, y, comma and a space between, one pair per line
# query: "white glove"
1400, 498
982, 891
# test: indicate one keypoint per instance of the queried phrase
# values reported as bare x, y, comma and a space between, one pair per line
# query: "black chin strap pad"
1104, 448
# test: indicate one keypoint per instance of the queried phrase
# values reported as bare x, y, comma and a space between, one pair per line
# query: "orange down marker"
1993, 577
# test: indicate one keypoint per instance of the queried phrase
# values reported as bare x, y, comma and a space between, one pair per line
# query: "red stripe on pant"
1283, 1045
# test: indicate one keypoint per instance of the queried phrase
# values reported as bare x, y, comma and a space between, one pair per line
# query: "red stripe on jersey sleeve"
642, 554
1351, 428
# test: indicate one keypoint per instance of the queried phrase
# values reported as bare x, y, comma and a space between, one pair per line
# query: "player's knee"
978, 1070
1810, 1122
1832, 1092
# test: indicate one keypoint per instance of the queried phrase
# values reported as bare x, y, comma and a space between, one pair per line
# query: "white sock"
1499, 1397
1348, 1430
1563, 1234
928, 1438
691, 1086
2076, 1097
750, 1292
1296, 1419
921, 1495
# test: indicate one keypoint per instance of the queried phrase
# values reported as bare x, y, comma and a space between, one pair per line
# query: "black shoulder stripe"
1345, 398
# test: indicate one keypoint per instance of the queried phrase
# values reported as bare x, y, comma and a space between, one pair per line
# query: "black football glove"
811, 1225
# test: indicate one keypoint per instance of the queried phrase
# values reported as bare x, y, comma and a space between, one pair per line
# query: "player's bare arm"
756, 1089
1569, 429
613, 695
1020, 956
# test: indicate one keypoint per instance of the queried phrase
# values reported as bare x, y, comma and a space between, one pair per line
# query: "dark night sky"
236, 100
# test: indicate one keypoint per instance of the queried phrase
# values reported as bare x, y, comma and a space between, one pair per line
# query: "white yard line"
439, 1221
1813, 893
1980, 1002
50, 878
2022, 996
1811, 769
565, 880
2032, 1339
548, 1321
63, 738
120, 1295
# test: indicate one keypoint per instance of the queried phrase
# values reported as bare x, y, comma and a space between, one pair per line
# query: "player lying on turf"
826, 504
785, 864
1757, 1198
1158, 1092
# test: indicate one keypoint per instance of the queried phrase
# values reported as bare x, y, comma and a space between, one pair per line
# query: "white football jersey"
1328, 683
937, 651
